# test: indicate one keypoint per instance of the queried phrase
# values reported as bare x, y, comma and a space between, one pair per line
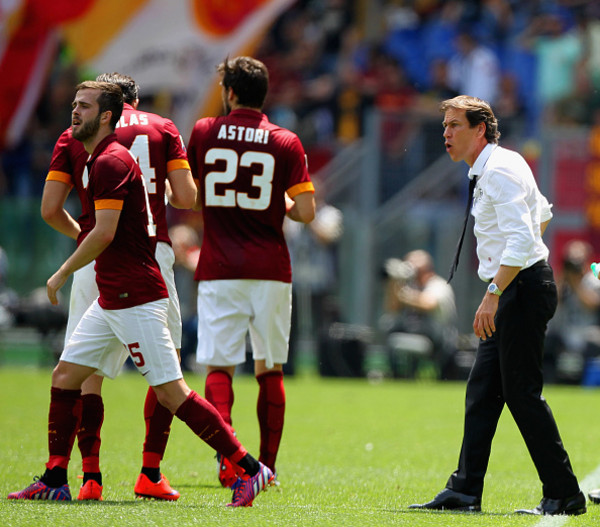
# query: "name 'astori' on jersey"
243, 133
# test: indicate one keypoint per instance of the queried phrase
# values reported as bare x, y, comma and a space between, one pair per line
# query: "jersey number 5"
230, 198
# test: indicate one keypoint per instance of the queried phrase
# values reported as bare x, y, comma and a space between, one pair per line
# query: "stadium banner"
171, 47
28, 45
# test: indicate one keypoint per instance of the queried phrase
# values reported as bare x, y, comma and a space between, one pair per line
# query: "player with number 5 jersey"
157, 146
250, 174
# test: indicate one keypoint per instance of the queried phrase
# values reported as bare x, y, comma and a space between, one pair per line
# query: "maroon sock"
208, 425
88, 435
158, 427
64, 417
271, 410
219, 392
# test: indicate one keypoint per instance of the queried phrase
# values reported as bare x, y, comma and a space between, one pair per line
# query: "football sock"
158, 427
249, 464
96, 476
55, 477
153, 474
64, 417
219, 392
208, 425
270, 409
88, 435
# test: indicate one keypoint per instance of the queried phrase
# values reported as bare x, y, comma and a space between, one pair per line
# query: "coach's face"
463, 142
85, 116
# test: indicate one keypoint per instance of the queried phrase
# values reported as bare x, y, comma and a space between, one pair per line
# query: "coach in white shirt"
510, 218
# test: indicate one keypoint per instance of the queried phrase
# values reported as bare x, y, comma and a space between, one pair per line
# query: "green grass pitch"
353, 453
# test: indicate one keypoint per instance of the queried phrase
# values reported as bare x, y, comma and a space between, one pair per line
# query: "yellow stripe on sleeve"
176, 164
109, 204
57, 175
307, 186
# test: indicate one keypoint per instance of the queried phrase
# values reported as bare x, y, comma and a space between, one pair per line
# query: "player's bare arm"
96, 241
301, 207
198, 205
181, 189
53, 211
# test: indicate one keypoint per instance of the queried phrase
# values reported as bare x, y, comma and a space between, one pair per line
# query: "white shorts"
104, 339
84, 291
228, 309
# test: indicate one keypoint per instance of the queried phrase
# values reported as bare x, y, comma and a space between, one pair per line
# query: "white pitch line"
590, 482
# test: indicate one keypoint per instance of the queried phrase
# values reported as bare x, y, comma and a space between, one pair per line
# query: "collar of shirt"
484, 155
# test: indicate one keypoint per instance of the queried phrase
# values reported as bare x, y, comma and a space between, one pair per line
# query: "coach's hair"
248, 78
131, 91
477, 111
109, 100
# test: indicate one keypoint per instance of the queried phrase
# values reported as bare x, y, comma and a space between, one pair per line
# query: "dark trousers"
508, 370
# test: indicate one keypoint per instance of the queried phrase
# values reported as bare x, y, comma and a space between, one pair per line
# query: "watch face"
493, 288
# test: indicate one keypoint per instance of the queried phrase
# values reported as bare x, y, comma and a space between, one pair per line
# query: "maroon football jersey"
156, 144
245, 165
127, 272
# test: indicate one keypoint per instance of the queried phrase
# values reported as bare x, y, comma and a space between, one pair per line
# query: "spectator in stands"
474, 70
419, 302
574, 332
8, 298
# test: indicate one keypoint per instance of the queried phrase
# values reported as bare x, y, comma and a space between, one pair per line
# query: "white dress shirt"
508, 209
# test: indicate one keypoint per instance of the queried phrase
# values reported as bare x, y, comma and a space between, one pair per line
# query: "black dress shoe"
450, 500
571, 506
594, 496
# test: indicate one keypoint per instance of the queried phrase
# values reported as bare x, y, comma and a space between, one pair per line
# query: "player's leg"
84, 354
204, 420
223, 320
88, 437
219, 392
158, 419
269, 334
270, 409
83, 293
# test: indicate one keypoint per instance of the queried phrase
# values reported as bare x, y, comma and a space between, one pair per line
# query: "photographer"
573, 334
420, 313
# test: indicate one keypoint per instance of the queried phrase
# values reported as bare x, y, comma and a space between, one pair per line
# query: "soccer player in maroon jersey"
250, 174
130, 315
157, 145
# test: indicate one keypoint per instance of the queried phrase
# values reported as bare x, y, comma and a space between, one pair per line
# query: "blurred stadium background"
358, 80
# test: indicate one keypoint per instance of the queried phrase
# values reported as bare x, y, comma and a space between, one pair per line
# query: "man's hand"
54, 283
483, 325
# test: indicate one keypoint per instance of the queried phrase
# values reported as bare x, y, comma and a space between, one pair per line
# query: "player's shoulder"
209, 122
113, 150
133, 117
67, 139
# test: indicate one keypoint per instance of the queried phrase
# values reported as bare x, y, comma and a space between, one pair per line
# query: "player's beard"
87, 130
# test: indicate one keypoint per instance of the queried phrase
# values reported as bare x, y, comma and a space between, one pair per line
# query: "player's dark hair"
109, 100
248, 78
477, 111
131, 91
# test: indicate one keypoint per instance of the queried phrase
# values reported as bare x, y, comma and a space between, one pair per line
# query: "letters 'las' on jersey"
127, 272
245, 165
67, 166
156, 144
158, 148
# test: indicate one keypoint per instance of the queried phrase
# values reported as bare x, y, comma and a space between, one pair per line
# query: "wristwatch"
494, 289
